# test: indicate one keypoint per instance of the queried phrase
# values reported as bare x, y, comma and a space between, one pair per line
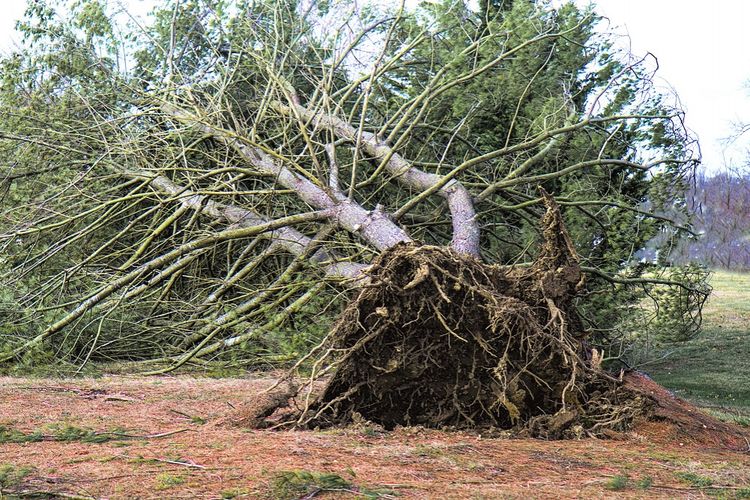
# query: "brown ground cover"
680, 453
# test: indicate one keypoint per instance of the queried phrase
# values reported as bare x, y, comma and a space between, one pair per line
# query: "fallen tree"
262, 165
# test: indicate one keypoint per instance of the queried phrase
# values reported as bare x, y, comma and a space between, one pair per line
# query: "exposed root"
442, 340
265, 404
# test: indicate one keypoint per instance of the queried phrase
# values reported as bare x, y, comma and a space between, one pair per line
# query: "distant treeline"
721, 207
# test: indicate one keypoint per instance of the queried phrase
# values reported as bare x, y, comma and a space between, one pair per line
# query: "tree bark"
287, 238
465, 226
374, 226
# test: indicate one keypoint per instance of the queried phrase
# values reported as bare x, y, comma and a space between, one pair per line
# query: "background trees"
209, 185
721, 204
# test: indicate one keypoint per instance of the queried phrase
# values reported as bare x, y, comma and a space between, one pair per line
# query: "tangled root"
441, 339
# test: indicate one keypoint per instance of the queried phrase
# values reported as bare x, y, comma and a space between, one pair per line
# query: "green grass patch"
234, 493
287, 485
645, 483
695, 479
712, 369
427, 451
731, 415
60, 432
623, 481
166, 481
12, 475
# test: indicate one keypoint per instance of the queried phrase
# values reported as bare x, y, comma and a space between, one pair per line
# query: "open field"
175, 437
713, 370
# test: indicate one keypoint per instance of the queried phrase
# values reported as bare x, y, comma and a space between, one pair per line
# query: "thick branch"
643, 281
460, 204
375, 227
158, 263
287, 238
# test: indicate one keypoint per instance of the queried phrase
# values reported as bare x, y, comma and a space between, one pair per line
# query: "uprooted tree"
217, 185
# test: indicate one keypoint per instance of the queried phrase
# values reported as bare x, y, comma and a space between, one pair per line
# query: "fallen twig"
178, 462
121, 398
166, 461
147, 436
180, 413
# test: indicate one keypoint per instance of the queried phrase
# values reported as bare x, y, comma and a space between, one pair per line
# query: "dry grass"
216, 460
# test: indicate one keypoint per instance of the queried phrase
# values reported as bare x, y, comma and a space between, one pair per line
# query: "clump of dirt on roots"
443, 340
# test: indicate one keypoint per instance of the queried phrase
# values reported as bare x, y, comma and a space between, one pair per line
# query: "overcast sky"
702, 48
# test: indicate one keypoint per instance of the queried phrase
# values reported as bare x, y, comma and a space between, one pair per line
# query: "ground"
713, 370
205, 456
175, 437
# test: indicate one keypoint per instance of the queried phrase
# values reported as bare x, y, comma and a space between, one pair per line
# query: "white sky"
702, 48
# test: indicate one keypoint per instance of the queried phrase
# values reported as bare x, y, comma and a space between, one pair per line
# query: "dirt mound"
674, 420
443, 340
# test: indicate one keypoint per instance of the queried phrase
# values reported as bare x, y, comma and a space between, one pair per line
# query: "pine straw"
443, 340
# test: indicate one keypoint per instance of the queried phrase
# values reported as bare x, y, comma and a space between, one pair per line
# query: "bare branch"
374, 227
460, 204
